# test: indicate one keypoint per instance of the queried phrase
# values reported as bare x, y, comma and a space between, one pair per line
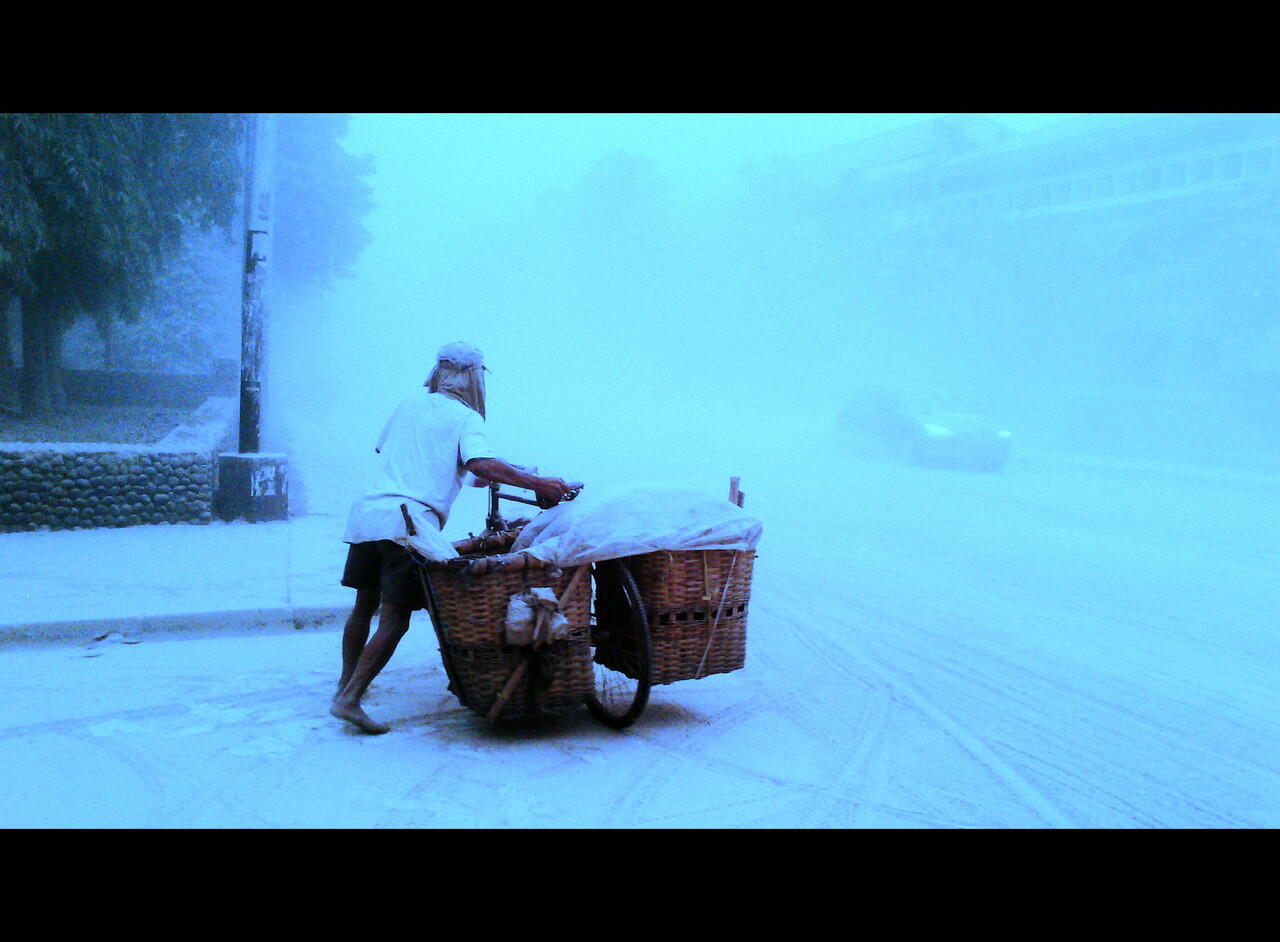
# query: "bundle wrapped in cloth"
631, 521
534, 617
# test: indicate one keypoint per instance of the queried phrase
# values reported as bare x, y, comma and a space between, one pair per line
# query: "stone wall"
72, 490
63, 486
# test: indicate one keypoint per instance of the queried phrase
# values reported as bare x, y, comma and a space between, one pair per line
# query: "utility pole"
251, 484
257, 244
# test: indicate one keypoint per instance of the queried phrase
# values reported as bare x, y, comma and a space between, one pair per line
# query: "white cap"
461, 356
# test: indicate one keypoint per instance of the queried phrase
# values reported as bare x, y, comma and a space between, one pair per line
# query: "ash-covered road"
1068, 644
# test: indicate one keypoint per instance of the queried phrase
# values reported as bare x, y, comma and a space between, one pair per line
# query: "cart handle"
495, 521
494, 488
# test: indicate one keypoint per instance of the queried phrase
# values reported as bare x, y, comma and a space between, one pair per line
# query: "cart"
630, 623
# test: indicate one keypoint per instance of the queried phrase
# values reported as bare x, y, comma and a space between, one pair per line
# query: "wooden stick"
508, 562
502, 541
711, 635
507, 689
573, 584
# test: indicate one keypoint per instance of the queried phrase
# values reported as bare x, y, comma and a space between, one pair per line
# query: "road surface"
1067, 644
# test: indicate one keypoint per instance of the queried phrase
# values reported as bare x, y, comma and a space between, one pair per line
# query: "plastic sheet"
635, 520
427, 540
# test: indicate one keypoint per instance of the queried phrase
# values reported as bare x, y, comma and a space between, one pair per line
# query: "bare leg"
356, 632
393, 622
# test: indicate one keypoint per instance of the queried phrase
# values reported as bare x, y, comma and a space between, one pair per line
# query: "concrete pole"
257, 252
252, 485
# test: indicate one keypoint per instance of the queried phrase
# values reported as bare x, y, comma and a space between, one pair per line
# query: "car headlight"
937, 430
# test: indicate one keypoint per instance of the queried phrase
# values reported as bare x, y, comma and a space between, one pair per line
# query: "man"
428, 446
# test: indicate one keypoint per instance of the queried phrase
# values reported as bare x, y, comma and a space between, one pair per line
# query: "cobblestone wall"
70, 490
72, 486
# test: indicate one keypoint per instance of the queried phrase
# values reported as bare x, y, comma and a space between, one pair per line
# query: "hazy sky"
449, 256
479, 163
442, 177
733, 296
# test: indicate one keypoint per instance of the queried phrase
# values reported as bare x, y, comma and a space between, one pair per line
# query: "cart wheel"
619, 647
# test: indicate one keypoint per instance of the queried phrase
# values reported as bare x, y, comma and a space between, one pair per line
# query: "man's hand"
551, 491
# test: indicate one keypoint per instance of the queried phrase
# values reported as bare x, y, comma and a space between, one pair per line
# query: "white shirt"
425, 447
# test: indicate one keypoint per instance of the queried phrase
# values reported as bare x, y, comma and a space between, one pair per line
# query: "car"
929, 428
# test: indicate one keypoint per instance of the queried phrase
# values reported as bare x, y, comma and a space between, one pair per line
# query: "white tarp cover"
634, 520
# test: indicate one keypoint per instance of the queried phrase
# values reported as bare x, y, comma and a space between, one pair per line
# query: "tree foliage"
191, 318
101, 216
95, 203
92, 206
321, 199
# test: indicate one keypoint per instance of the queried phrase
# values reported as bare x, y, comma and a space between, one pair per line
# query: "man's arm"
550, 491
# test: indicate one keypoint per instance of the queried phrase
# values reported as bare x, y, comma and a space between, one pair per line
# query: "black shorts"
386, 566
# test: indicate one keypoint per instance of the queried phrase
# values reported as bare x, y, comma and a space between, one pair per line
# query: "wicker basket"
471, 611
697, 604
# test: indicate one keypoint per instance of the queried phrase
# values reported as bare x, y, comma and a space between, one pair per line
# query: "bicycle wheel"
619, 647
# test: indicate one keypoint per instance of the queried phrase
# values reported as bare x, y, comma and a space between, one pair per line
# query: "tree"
191, 318
92, 206
321, 198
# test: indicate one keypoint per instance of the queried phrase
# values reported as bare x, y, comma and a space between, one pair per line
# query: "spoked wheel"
619, 647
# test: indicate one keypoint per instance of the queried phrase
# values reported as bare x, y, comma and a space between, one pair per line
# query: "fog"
999, 388
661, 296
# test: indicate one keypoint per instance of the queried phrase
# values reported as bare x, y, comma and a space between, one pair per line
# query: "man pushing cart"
434, 441
592, 601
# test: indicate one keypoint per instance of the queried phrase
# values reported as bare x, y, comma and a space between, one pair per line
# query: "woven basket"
471, 612
684, 591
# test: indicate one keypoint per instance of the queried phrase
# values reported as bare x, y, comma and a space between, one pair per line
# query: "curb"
253, 621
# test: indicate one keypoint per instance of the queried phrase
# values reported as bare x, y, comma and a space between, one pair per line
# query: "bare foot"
353, 714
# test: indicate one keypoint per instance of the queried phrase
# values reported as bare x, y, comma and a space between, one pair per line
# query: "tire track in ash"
791, 786
160, 807
831, 732
629, 808
1025, 705
837, 805
633, 807
856, 739
143, 768
155, 712
1023, 789
320, 690
1130, 725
